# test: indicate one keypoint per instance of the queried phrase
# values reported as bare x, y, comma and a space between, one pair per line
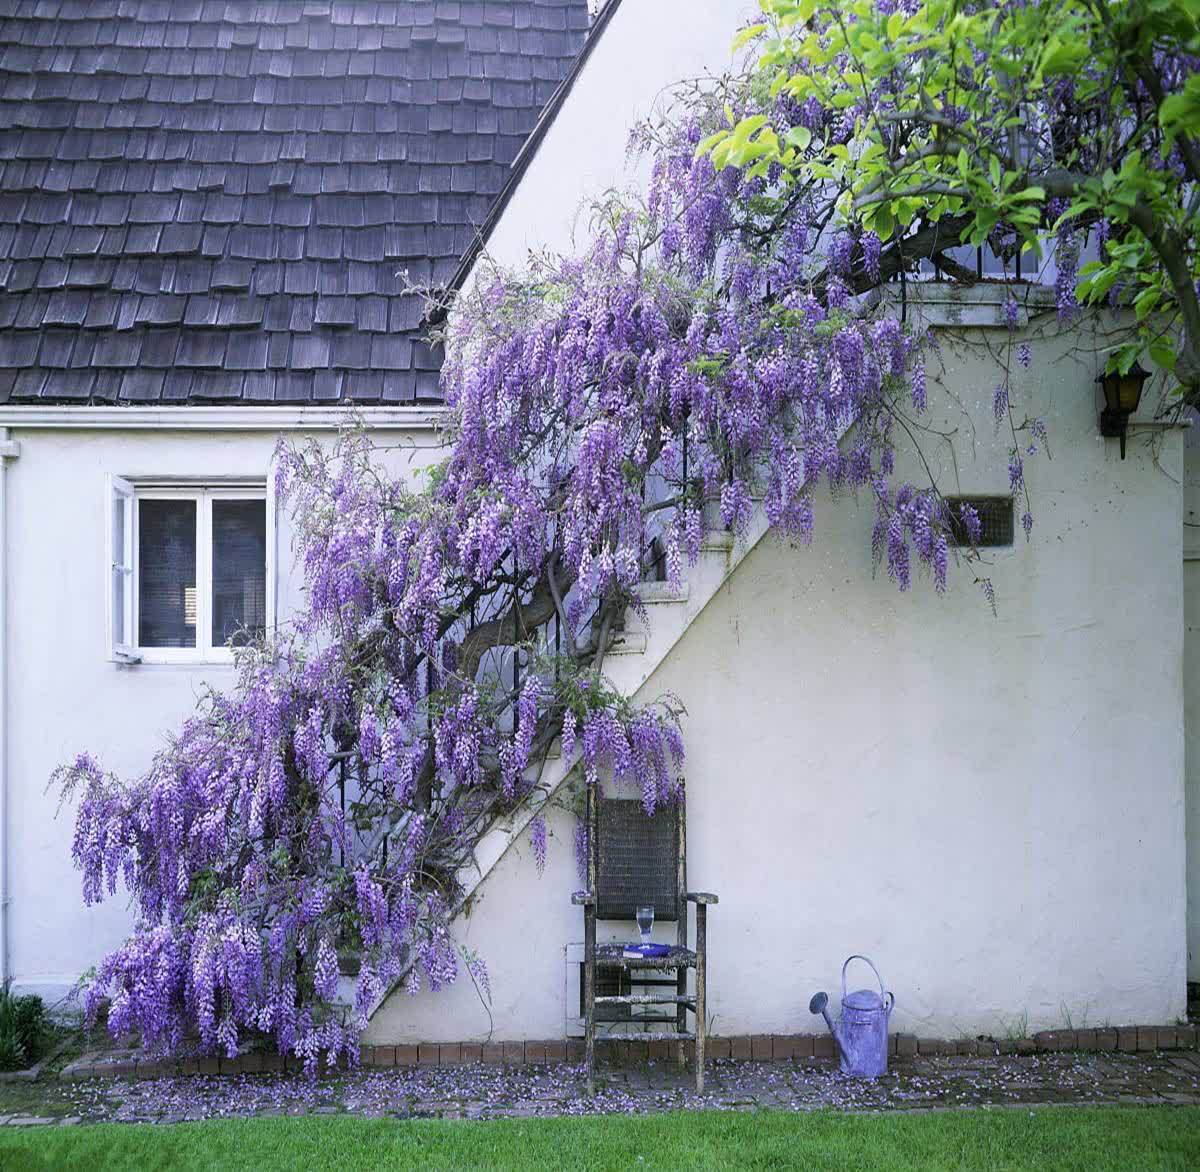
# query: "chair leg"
590, 1055
701, 1008
589, 999
681, 1016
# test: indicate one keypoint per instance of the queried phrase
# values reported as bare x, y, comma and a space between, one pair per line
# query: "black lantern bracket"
1122, 394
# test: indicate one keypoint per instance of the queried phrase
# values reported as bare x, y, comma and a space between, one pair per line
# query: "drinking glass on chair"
645, 919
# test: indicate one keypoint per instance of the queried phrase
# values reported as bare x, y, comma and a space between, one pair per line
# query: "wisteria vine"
296, 851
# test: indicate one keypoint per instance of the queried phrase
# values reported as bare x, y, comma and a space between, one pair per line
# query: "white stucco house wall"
993, 808
206, 237
909, 777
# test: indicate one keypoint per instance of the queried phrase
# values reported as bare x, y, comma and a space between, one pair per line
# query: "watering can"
862, 1031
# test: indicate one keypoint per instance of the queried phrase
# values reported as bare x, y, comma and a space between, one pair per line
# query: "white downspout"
9, 450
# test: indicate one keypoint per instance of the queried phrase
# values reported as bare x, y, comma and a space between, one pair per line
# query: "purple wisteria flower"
537, 838
969, 516
871, 247
841, 249
917, 383
1000, 402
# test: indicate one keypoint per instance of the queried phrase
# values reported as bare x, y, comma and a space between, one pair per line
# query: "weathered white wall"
646, 49
64, 694
1191, 685
992, 808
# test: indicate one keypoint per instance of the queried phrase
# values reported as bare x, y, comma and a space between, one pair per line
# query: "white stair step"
716, 540
660, 593
628, 643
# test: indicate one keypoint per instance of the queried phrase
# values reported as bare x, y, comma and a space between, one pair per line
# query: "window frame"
130, 491
119, 493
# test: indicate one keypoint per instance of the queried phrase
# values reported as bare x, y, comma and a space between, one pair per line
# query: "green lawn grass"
1062, 1137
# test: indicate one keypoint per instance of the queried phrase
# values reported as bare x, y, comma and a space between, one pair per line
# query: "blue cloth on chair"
648, 949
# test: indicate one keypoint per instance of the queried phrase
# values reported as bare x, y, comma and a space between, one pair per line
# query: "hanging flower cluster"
294, 852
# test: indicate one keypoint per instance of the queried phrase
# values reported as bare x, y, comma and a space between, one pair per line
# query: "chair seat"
675, 958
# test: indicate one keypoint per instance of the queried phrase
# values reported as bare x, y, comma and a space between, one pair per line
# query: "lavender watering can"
862, 1032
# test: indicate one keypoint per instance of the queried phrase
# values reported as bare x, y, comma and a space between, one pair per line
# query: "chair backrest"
639, 860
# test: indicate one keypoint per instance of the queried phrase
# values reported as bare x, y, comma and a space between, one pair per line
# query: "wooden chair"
635, 860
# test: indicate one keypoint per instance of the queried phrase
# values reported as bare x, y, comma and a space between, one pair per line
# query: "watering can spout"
820, 1004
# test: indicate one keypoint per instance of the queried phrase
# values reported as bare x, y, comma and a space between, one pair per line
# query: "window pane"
239, 559
167, 573
118, 606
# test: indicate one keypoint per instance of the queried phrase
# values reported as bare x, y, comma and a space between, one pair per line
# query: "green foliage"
22, 1026
1000, 118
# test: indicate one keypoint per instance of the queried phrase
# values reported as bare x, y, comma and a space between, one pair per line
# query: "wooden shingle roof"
212, 200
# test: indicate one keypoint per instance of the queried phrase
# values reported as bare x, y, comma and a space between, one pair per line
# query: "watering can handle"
866, 960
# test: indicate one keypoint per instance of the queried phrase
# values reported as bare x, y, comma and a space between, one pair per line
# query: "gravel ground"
485, 1092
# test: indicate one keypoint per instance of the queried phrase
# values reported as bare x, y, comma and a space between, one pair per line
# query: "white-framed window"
191, 569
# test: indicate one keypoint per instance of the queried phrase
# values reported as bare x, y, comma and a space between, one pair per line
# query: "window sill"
152, 659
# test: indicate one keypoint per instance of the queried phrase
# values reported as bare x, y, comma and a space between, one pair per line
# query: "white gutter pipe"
416, 419
9, 450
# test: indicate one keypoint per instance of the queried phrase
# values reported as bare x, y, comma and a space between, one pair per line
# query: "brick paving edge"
757, 1047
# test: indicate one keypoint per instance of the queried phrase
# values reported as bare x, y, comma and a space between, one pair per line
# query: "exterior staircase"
644, 643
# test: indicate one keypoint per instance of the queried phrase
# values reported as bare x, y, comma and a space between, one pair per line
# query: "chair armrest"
583, 899
704, 897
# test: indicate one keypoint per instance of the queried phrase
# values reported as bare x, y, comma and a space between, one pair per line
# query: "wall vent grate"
995, 520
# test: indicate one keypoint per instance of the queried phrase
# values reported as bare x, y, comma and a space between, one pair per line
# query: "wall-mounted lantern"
1122, 394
